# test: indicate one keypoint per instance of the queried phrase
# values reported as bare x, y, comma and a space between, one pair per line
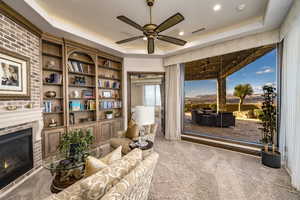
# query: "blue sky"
258, 73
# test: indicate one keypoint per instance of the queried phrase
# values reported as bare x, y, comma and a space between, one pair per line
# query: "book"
70, 67
75, 105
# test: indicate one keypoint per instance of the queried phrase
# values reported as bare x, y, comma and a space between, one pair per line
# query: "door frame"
163, 100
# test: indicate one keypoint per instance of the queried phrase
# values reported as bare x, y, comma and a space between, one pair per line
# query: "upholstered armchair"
122, 140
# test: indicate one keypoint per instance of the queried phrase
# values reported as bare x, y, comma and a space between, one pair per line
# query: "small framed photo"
14, 76
107, 94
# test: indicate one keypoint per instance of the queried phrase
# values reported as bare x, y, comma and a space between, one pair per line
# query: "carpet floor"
188, 171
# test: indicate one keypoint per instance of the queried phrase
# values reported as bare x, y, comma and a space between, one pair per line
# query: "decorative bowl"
50, 94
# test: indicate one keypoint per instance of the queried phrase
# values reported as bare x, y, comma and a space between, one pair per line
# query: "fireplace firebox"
16, 155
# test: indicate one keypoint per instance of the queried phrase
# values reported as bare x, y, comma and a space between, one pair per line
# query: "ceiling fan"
152, 31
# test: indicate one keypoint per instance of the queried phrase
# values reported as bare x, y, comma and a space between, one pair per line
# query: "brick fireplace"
19, 39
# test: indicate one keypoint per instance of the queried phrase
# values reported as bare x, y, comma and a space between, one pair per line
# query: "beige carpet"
188, 171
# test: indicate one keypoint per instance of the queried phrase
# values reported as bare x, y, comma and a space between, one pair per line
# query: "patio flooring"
246, 130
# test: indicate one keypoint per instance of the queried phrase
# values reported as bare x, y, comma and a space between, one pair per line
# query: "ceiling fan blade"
171, 40
150, 45
172, 21
129, 39
130, 22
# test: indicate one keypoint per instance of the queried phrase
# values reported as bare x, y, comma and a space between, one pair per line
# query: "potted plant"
270, 156
75, 144
109, 114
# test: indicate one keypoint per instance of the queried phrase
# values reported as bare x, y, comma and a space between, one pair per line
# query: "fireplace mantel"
22, 116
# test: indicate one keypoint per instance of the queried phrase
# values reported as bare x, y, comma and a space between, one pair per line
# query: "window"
152, 95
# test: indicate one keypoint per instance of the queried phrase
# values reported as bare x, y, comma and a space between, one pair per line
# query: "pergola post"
221, 101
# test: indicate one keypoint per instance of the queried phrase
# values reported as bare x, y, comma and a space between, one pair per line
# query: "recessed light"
181, 33
241, 7
145, 38
217, 7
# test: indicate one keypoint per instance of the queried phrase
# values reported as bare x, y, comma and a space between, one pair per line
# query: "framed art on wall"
14, 76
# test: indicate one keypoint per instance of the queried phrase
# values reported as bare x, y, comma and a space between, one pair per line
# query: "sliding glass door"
223, 94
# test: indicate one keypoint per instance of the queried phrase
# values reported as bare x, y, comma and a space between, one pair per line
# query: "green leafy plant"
76, 143
268, 117
241, 91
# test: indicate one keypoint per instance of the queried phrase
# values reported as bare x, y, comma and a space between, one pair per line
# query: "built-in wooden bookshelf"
109, 86
52, 54
82, 89
89, 86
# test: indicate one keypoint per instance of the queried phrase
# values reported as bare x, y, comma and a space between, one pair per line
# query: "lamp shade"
144, 115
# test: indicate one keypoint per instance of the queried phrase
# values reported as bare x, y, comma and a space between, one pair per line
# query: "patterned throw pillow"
112, 156
93, 165
95, 186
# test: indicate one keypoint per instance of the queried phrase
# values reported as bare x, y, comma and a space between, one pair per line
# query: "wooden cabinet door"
118, 126
51, 141
106, 130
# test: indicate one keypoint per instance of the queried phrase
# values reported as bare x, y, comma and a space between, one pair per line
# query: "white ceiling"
94, 21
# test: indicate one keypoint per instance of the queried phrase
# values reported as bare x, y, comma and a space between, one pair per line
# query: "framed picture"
14, 76
107, 94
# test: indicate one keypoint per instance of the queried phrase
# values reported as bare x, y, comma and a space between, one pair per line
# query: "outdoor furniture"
220, 119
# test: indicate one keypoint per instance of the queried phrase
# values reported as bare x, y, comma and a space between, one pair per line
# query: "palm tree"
241, 91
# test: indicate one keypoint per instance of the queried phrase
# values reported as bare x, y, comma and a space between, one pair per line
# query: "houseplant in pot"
270, 156
75, 144
109, 114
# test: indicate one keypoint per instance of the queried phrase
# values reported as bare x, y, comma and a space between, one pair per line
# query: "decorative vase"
271, 159
50, 94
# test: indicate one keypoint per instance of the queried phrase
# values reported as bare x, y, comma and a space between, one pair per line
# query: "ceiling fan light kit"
151, 31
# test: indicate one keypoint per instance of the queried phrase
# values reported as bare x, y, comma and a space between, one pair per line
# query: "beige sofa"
122, 140
125, 179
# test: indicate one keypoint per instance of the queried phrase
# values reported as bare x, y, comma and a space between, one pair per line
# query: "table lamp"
144, 115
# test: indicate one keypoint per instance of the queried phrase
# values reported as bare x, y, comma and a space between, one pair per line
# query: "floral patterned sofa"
126, 179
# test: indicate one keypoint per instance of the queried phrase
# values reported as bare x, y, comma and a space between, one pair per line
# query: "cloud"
265, 70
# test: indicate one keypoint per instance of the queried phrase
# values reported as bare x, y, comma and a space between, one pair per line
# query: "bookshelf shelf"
108, 78
52, 55
110, 68
78, 111
82, 74
52, 84
82, 86
104, 88
54, 98
81, 61
52, 69
84, 99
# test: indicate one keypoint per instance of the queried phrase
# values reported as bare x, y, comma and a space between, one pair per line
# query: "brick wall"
15, 38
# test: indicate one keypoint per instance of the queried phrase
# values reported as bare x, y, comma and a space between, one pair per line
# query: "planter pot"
271, 159
109, 116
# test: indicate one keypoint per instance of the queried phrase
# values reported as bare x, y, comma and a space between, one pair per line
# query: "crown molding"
19, 19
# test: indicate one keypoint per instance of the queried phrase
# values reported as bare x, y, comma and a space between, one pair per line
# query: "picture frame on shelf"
14, 75
107, 94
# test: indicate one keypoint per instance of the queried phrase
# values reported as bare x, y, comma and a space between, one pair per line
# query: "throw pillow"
93, 165
132, 132
112, 156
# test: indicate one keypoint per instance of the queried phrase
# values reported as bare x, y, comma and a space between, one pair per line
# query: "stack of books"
47, 106
75, 66
108, 84
110, 104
